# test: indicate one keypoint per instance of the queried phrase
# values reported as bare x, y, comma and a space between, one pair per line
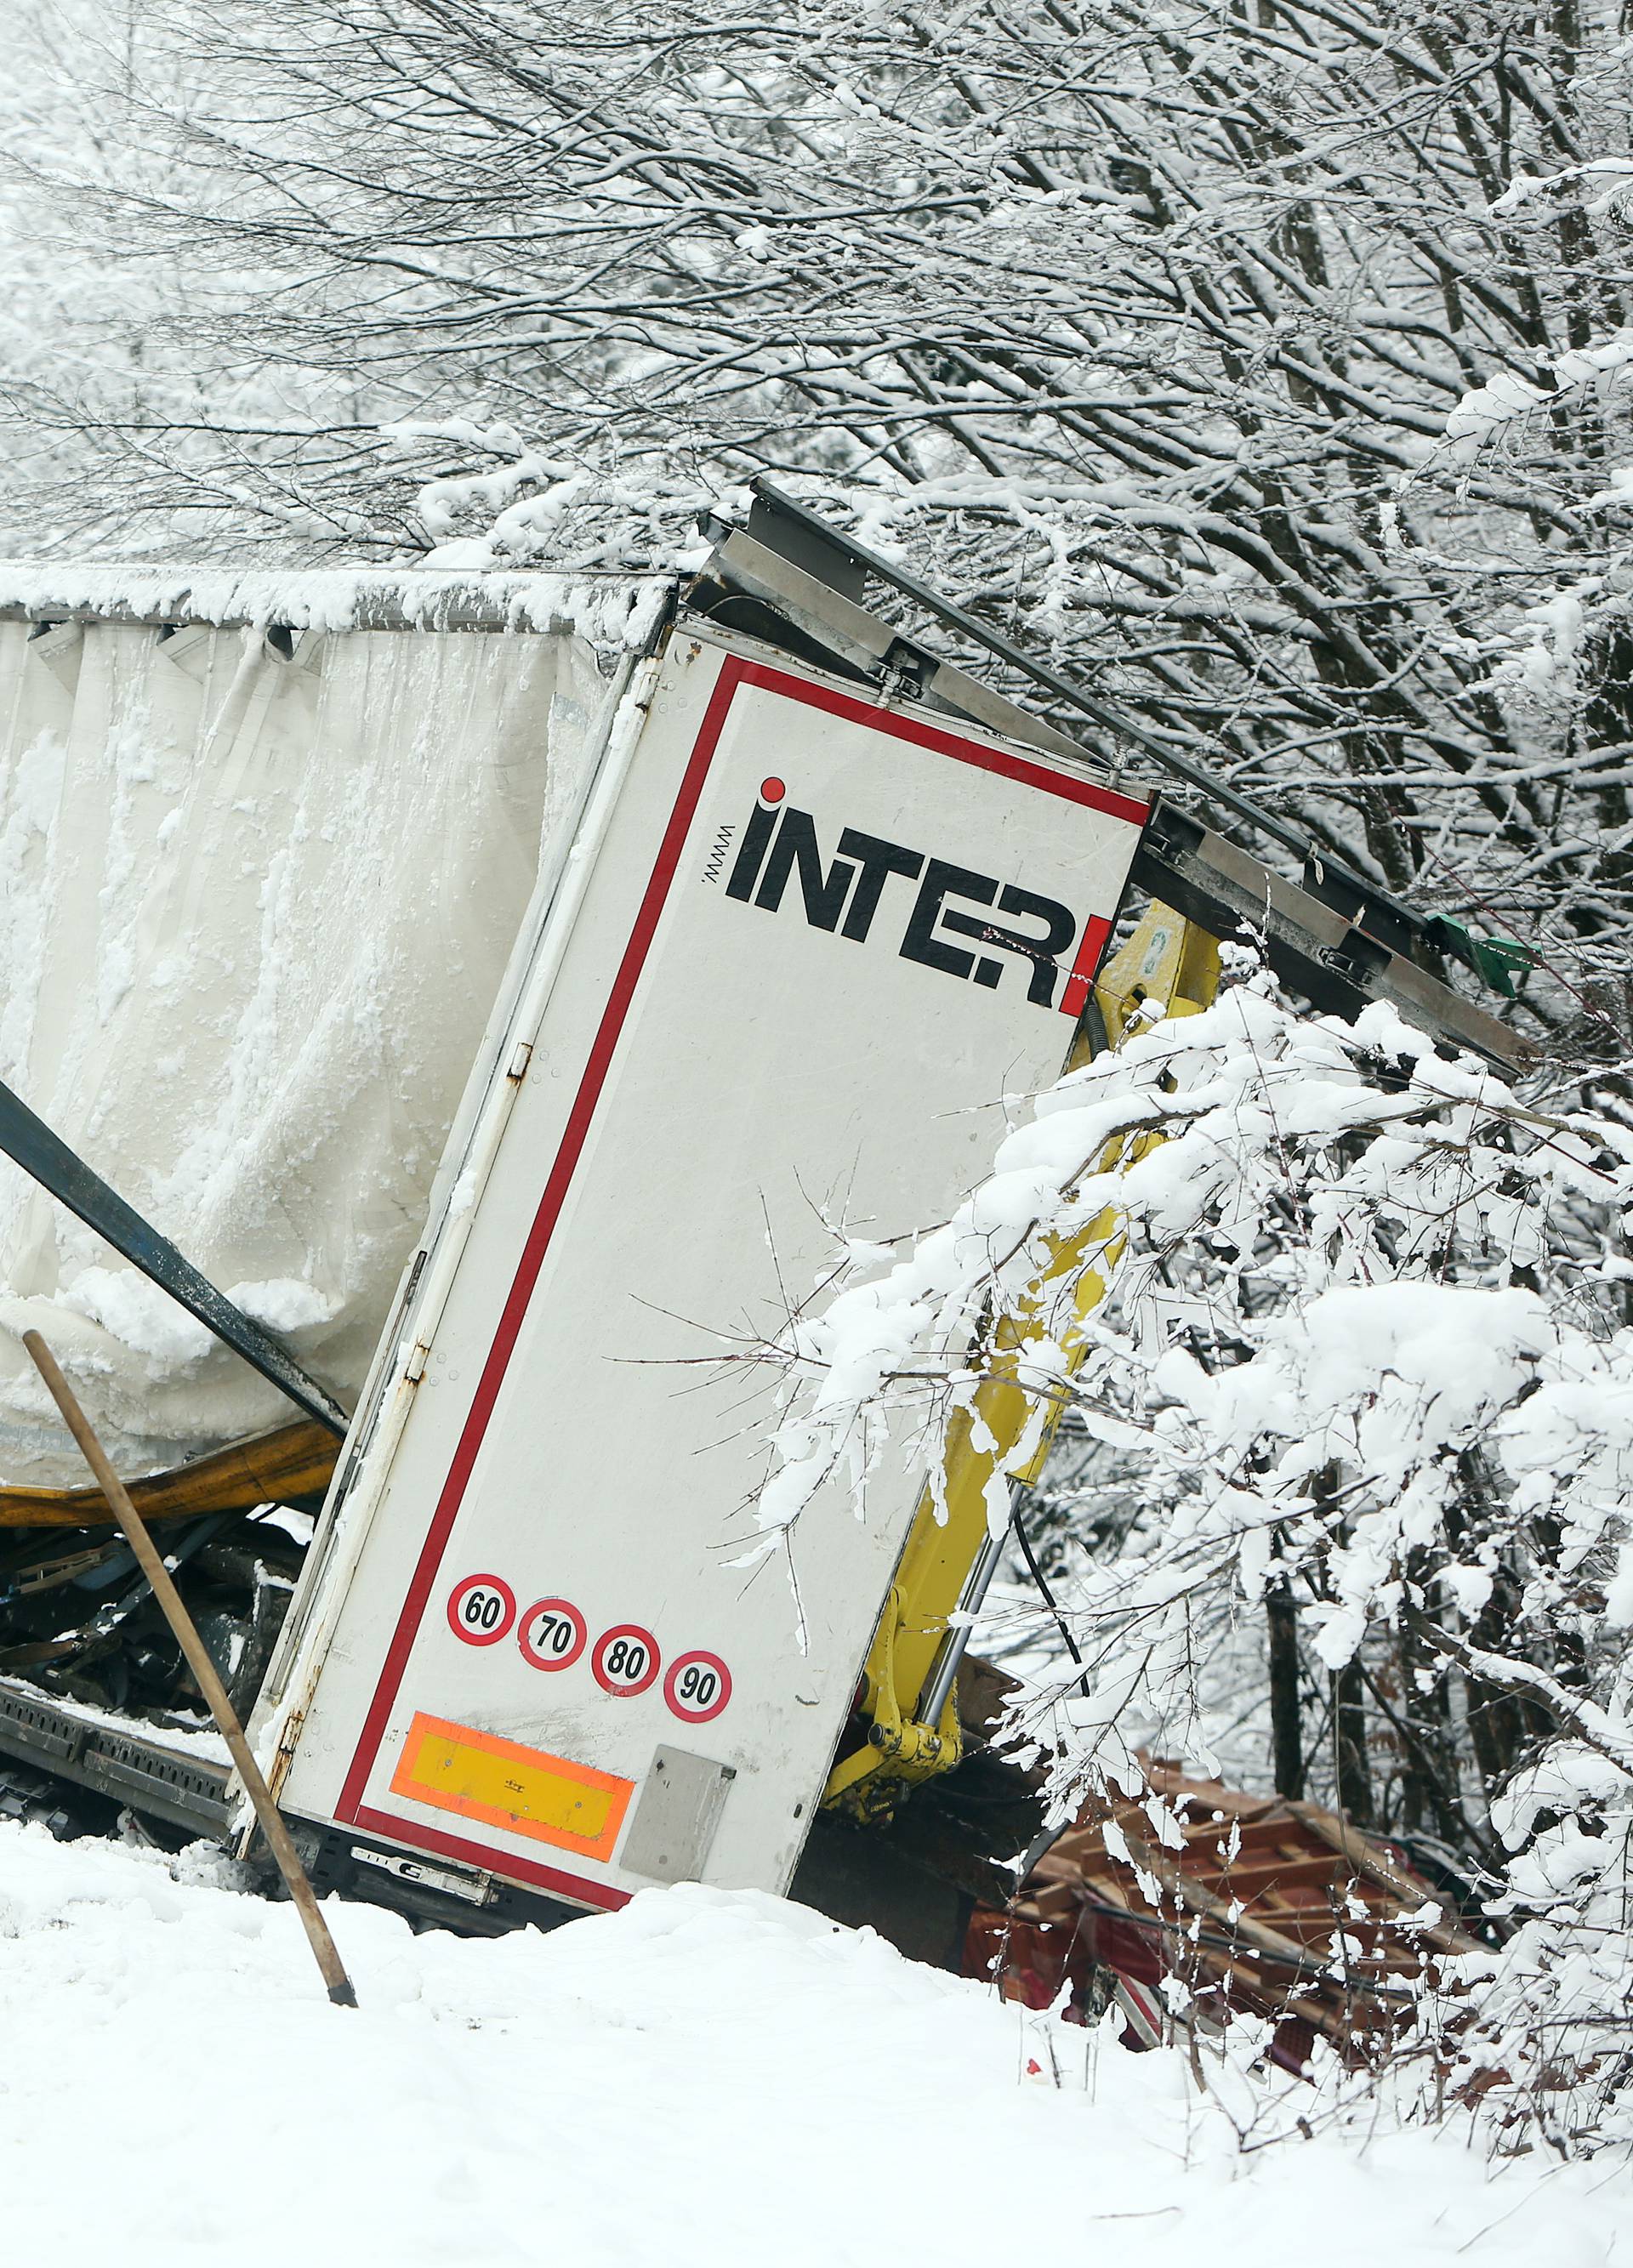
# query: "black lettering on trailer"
824, 893
751, 853
1044, 953
777, 844
877, 861
943, 880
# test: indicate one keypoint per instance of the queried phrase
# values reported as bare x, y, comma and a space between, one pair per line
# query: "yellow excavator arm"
909, 1699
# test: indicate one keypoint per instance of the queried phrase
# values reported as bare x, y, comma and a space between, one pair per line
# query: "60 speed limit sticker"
481, 1609
626, 1660
698, 1687
552, 1634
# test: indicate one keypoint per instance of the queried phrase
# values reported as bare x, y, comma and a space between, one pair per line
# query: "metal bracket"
1315, 948
901, 1751
867, 644
674, 1825
466, 1883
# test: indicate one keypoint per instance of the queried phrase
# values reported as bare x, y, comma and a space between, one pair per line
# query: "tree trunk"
1353, 1772
1287, 1741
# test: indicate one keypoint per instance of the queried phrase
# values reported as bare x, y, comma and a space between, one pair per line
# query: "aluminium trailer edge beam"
1335, 961
184, 1789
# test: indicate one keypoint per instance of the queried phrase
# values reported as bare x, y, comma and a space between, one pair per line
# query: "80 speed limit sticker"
626, 1660
481, 1609
698, 1687
552, 1634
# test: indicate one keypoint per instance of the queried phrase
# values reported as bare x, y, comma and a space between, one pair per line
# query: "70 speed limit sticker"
552, 1634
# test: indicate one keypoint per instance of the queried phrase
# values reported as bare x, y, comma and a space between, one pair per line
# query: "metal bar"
866, 642
278, 1838
30, 1143
160, 1782
954, 1646
1112, 720
1314, 949
1339, 949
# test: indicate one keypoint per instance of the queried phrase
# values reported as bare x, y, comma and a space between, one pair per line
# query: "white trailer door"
819, 939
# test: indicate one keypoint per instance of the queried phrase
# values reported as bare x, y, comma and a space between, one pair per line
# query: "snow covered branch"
1367, 1351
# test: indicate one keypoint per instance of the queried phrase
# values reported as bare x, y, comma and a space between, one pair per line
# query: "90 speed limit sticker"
481, 1609
552, 1634
698, 1687
626, 1660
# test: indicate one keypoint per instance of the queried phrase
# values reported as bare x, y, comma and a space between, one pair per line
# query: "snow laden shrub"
1367, 1358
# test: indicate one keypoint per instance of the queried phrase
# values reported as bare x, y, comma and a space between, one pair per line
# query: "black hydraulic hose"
1048, 1598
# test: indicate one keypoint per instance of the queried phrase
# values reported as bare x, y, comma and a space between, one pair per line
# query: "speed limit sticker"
552, 1634
481, 1609
698, 1687
626, 1660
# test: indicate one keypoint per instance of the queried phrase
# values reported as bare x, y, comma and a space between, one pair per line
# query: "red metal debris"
1254, 1903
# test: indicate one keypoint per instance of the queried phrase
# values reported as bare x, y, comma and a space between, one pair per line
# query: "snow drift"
689, 2082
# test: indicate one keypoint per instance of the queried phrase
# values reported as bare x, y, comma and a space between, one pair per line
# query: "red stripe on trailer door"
858, 710
1075, 998
533, 1252
481, 1855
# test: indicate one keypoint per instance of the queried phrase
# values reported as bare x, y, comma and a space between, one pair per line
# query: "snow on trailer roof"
608, 610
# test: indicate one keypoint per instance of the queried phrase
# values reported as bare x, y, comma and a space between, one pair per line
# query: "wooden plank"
295, 1461
1200, 1899
1368, 1859
1317, 1868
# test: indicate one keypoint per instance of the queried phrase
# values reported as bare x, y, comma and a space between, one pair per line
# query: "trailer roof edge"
607, 608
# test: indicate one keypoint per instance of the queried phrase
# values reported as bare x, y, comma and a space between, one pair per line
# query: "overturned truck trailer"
509, 994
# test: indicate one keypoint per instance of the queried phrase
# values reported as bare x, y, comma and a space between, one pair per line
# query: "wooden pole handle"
278, 1838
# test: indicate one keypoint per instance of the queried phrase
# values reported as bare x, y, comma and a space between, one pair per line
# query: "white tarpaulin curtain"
254, 912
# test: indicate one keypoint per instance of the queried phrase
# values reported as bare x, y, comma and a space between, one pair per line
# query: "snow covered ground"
704, 2080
